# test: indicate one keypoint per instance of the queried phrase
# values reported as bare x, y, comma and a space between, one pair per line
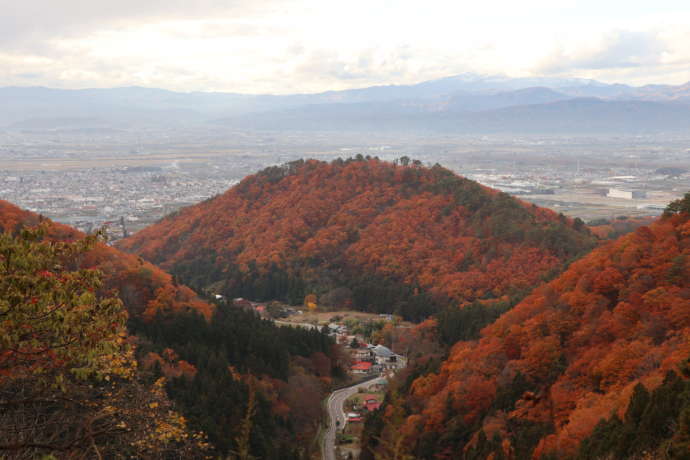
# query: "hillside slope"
220, 362
365, 233
569, 355
144, 288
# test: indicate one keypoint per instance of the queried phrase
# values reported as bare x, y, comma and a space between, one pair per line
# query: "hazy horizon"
308, 46
447, 77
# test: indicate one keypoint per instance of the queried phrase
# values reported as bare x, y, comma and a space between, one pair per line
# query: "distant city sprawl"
127, 179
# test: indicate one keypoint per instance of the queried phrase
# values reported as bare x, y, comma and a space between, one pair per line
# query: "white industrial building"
626, 194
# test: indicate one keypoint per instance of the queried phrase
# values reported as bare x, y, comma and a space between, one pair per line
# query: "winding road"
337, 417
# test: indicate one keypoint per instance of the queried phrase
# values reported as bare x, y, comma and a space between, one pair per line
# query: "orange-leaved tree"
67, 375
52, 324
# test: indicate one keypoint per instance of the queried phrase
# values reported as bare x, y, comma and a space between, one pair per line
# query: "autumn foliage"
143, 288
613, 228
545, 373
325, 224
68, 380
200, 358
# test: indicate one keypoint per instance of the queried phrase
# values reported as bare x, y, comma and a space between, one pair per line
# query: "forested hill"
605, 345
379, 236
240, 382
144, 288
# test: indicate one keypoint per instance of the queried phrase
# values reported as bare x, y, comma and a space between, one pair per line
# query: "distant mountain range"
463, 104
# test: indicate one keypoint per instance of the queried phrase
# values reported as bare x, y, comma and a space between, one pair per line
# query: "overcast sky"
270, 46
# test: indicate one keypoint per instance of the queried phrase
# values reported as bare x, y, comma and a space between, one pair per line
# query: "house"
383, 355
354, 417
370, 402
362, 353
372, 406
361, 367
385, 358
244, 304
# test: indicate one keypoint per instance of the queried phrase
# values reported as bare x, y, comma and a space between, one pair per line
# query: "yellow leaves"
171, 428
120, 363
108, 410
145, 414
236, 376
310, 302
78, 329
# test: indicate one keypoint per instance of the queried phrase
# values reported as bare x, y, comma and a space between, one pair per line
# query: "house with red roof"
372, 406
354, 417
370, 402
361, 367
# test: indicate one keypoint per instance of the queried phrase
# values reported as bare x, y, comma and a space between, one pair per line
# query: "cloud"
26, 25
616, 50
285, 46
368, 66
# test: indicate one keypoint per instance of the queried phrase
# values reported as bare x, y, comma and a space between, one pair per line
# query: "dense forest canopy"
604, 345
363, 233
185, 375
592, 364
286, 371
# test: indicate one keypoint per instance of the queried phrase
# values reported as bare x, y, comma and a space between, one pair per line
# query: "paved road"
335, 414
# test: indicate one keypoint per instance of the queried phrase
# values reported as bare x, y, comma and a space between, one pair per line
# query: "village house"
362, 353
242, 303
370, 402
361, 367
354, 417
384, 357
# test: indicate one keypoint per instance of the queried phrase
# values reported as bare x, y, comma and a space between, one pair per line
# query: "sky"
306, 46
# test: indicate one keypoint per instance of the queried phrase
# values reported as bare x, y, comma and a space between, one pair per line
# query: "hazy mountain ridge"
394, 107
527, 96
560, 116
